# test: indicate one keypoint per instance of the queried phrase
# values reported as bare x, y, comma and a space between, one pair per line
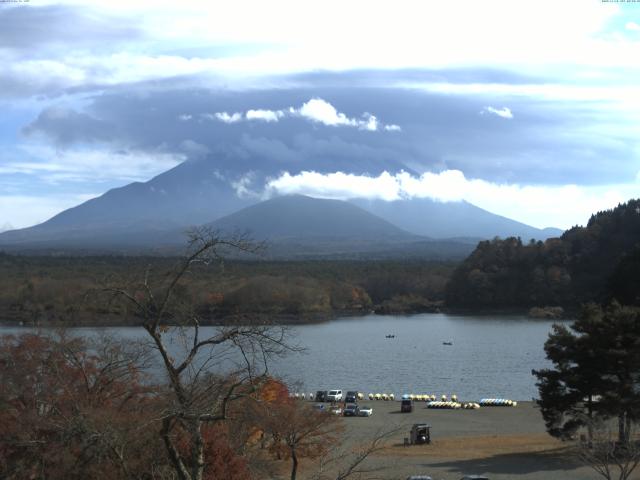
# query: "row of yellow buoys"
381, 396
454, 405
428, 398
436, 404
498, 402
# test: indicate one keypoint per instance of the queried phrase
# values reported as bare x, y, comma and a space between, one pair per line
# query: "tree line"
596, 263
61, 290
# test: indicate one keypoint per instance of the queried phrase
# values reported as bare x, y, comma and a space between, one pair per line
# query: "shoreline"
262, 319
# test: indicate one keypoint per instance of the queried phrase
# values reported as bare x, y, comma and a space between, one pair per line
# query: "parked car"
474, 477
321, 396
351, 410
419, 477
406, 405
335, 410
351, 397
365, 411
334, 396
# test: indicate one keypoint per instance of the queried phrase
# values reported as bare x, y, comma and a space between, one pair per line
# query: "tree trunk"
294, 464
623, 431
197, 455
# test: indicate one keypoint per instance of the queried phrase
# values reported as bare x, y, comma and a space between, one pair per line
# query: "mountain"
300, 217
300, 226
423, 216
143, 215
192, 193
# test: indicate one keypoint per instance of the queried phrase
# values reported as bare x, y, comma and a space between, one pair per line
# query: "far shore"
106, 320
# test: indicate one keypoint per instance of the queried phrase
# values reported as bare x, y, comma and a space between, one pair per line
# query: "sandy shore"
500, 442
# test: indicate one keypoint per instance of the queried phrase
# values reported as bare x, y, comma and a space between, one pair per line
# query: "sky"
529, 109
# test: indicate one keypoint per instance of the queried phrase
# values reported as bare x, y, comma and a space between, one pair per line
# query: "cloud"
225, 117
66, 126
89, 165
41, 27
318, 110
503, 112
265, 115
540, 206
315, 110
633, 26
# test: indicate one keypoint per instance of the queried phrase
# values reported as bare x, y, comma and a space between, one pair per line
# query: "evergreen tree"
596, 372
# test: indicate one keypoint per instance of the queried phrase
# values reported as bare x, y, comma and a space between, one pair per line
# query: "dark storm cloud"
29, 28
545, 142
65, 127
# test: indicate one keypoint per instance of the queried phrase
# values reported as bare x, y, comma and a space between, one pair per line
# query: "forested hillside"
593, 263
47, 290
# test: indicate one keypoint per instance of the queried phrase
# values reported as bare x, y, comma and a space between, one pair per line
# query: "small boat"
447, 343
390, 336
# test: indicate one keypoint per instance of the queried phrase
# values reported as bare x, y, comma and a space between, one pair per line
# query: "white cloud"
225, 117
321, 111
633, 26
503, 112
541, 206
185, 117
242, 186
265, 115
316, 110
336, 185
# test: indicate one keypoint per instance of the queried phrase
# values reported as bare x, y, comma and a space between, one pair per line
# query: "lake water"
491, 356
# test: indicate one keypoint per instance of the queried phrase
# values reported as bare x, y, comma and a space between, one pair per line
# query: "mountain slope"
423, 216
302, 217
191, 193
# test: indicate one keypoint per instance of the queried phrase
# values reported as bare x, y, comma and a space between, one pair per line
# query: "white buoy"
377, 396
360, 396
371, 396
443, 398
385, 396
454, 398
392, 396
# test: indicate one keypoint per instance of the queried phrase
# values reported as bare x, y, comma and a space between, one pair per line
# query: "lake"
490, 356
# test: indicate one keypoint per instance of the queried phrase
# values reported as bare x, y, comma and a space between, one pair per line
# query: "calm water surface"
491, 356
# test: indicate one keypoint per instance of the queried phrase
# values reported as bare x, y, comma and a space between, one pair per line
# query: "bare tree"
605, 454
212, 370
342, 464
297, 431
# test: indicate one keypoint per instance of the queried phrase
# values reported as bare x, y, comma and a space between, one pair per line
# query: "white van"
334, 396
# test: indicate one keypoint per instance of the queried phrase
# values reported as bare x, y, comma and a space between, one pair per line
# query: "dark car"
474, 477
321, 395
351, 410
406, 405
351, 397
